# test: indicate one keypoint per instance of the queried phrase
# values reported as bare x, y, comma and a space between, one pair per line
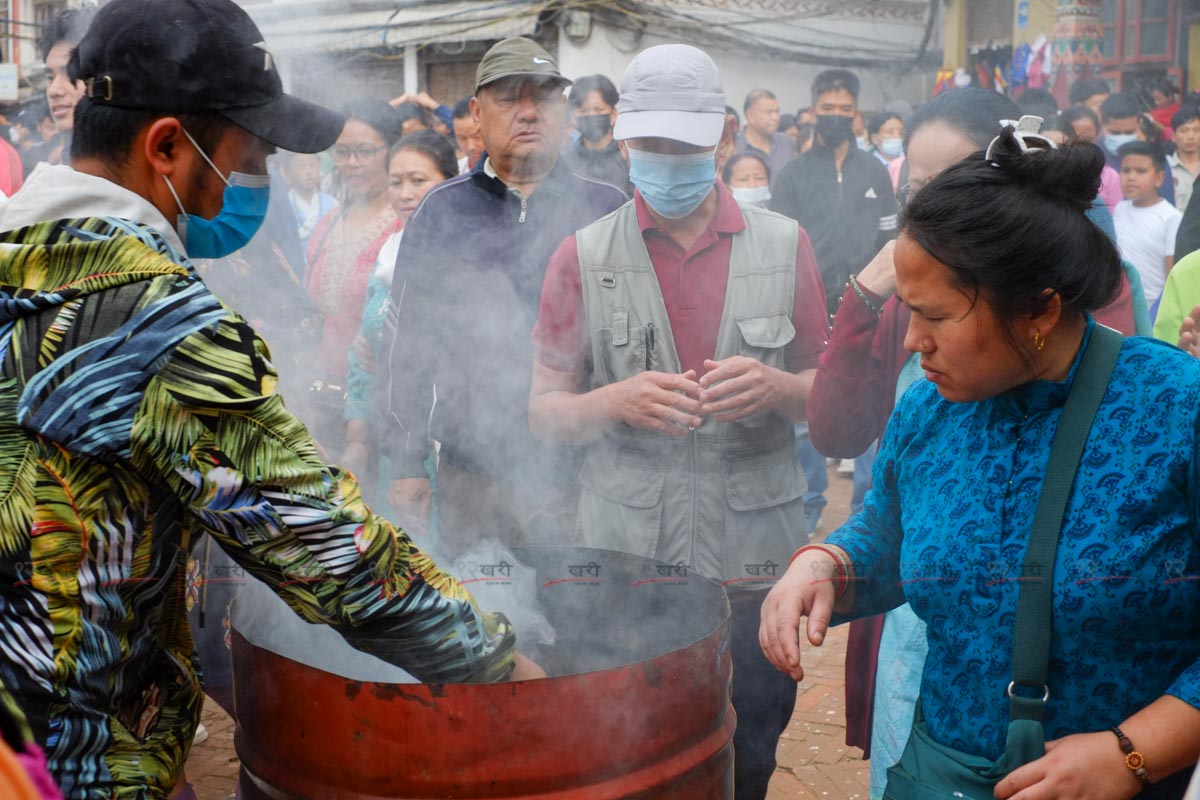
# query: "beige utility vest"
727, 500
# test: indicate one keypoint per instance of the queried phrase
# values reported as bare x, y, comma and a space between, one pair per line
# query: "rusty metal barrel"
637, 704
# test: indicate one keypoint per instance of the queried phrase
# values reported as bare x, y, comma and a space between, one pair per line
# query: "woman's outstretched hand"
805, 590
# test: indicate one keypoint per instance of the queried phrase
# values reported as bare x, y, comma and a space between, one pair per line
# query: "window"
44, 11
1138, 31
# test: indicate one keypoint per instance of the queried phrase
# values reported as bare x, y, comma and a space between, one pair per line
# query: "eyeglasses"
340, 153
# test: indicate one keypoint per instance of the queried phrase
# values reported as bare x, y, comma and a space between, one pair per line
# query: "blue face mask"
1114, 141
243, 208
892, 148
673, 185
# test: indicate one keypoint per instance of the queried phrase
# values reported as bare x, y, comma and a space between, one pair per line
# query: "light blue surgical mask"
892, 148
864, 143
1114, 141
243, 208
673, 185
753, 195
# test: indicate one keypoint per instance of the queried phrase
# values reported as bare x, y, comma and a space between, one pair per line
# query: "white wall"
603, 53
26, 52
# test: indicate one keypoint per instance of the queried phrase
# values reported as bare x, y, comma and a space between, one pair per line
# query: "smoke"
267, 622
499, 580
575, 610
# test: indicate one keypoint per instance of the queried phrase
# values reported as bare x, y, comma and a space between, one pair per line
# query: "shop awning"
312, 26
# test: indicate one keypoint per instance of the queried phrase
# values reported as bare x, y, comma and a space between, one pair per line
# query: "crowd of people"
561, 310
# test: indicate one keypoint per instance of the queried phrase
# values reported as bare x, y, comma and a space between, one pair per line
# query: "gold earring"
1038, 341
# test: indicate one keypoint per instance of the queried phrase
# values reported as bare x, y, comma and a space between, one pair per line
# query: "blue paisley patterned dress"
946, 526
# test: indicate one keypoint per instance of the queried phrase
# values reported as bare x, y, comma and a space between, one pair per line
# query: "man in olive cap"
468, 278
137, 413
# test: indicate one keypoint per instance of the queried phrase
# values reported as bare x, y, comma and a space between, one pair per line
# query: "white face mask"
753, 195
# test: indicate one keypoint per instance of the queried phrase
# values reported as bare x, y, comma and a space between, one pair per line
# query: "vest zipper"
692, 446
524, 208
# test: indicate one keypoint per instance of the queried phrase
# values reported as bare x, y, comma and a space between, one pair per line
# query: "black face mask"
593, 127
834, 129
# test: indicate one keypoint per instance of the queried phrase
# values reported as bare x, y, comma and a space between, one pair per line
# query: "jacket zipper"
524, 208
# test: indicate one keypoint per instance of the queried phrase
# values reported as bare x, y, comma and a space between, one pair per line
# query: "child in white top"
1146, 224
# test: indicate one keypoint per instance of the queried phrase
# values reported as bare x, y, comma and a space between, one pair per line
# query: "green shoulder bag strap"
1031, 639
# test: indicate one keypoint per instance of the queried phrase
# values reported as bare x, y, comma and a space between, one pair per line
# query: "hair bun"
1070, 173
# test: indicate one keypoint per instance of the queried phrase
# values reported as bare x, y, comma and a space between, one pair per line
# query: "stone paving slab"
814, 762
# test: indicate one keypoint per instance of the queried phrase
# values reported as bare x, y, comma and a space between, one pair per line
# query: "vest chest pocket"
623, 352
620, 506
763, 338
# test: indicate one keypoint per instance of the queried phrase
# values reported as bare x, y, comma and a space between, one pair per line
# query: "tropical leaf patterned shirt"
136, 412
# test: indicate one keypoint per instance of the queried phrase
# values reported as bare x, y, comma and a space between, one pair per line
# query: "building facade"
1134, 44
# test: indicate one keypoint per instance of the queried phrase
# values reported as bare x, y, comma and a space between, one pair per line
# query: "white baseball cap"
672, 91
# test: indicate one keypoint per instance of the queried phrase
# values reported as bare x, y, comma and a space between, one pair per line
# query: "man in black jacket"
839, 194
465, 294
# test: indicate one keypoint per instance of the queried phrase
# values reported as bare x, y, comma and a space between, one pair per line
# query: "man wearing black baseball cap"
138, 413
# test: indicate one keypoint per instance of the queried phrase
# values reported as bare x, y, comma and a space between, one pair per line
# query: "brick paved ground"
814, 761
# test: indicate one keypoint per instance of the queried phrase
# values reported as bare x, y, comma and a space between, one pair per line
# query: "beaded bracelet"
1133, 759
858, 290
843, 566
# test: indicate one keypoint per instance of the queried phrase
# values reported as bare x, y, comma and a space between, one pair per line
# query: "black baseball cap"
183, 56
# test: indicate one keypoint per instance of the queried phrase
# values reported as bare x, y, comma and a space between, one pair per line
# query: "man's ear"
624, 150
475, 109
161, 144
727, 133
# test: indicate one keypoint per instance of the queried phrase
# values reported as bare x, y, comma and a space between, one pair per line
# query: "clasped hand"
732, 389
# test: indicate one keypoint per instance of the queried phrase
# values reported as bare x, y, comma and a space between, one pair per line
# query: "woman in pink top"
346, 242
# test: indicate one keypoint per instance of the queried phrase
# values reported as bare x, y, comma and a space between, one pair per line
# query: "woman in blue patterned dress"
1001, 270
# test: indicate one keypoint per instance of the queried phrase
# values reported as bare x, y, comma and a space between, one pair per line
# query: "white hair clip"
1027, 133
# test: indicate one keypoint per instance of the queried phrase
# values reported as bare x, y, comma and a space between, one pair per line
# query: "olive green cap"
516, 56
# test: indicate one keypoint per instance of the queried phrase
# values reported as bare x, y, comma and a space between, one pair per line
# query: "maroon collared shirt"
693, 284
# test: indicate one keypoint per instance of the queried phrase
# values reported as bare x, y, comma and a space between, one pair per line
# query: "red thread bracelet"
843, 567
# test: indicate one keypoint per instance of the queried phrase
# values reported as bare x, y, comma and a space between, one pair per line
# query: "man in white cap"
678, 338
